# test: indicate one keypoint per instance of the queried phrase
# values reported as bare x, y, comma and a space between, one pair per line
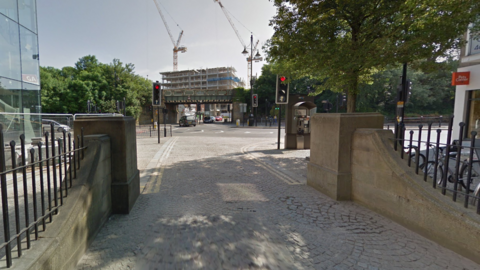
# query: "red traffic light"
157, 86
282, 78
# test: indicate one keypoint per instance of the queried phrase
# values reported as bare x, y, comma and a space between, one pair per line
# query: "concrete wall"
331, 139
81, 217
125, 174
383, 182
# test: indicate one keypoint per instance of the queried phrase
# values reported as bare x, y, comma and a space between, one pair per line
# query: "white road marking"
221, 131
247, 132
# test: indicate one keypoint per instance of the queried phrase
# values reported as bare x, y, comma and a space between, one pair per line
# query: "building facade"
19, 65
467, 91
210, 82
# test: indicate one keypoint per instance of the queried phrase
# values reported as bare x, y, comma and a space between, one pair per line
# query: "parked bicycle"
451, 172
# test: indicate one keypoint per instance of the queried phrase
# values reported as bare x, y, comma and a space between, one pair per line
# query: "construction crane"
249, 58
176, 47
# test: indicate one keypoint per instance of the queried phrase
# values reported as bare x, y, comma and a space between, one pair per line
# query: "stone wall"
383, 182
80, 218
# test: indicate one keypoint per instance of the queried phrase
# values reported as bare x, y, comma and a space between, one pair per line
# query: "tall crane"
249, 58
176, 45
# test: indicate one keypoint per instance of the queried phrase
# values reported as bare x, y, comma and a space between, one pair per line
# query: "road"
219, 197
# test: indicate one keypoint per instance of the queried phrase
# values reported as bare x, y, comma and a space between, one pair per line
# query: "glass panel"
30, 68
10, 102
9, 49
28, 14
474, 114
9, 9
31, 104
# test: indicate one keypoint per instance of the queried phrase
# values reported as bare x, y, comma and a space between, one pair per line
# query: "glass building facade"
19, 66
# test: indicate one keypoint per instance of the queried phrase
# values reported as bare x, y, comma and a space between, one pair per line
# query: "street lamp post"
257, 58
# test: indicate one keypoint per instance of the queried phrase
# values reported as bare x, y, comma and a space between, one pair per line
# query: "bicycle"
412, 151
462, 174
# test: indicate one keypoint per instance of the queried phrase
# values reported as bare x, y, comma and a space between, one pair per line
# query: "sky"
133, 32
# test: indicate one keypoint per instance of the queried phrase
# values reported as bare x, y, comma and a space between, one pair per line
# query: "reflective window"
29, 46
474, 114
28, 14
9, 9
10, 95
9, 49
10, 102
31, 104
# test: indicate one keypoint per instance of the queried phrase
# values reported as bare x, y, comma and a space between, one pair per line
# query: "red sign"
461, 78
30, 78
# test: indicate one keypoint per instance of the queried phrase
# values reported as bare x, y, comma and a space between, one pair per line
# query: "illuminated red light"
157, 87
282, 78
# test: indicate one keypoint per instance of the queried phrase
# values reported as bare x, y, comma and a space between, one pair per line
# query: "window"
9, 49
29, 46
474, 113
10, 95
9, 9
28, 14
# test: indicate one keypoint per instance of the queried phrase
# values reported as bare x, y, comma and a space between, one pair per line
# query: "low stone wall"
383, 182
81, 217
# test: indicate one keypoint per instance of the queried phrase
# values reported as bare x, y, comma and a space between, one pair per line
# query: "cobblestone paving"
229, 204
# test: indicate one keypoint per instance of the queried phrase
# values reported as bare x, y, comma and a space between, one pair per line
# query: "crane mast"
176, 47
249, 59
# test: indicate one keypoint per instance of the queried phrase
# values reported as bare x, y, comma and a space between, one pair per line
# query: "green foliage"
68, 90
432, 93
344, 43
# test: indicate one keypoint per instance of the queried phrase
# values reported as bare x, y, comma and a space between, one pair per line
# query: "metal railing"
45, 177
149, 131
451, 167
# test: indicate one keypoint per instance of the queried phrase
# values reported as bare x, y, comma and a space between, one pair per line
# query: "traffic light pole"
279, 125
158, 124
164, 123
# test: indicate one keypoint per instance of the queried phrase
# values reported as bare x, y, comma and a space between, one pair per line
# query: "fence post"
6, 218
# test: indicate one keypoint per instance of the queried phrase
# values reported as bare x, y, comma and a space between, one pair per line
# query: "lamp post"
250, 59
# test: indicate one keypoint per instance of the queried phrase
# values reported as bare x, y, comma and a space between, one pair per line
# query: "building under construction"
208, 83
222, 78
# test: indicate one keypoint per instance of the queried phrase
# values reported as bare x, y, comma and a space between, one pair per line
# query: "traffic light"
255, 100
157, 94
281, 94
408, 91
343, 100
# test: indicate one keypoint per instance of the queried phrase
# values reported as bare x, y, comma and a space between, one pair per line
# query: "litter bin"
251, 120
300, 142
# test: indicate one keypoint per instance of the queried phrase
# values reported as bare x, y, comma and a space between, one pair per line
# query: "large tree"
344, 42
67, 90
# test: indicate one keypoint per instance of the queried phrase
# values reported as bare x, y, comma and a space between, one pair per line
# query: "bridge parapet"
183, 96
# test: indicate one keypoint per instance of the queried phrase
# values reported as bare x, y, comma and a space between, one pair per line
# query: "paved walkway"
232, 203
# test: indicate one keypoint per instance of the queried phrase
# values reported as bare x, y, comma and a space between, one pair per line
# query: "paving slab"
236, 203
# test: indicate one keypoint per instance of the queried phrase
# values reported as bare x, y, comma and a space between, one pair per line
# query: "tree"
344, 42
68, 90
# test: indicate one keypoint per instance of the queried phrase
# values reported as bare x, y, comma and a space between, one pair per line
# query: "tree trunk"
352, 94
351, 101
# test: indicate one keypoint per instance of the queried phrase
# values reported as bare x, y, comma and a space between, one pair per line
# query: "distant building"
221, 78
19, 65
467, 92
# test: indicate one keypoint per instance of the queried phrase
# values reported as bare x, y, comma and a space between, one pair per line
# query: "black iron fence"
452, 166
150, 131
35, 183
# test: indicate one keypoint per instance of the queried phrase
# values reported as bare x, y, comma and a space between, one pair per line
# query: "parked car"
219, 118
57, 126
188, 120
208, 119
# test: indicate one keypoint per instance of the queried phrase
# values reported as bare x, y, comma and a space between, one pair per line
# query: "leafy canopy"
345, 42
67, 90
